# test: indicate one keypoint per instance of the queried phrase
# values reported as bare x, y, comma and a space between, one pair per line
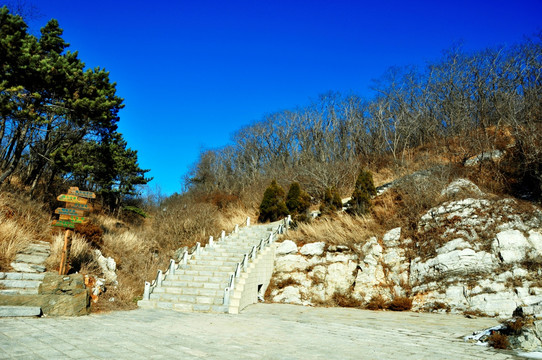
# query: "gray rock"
485, 156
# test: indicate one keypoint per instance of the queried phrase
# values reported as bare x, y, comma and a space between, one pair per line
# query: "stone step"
196, 267
204, 272
20, 284
36, 248
189, 291
188, 299
214, 262
31, 258
202, 285
6, 311
34, 291
151, 304
194, 278
20, 276
28, 268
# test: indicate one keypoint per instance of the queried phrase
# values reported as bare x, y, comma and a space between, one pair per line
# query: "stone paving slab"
262, 331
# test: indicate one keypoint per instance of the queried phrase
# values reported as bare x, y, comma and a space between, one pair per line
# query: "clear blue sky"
193, 72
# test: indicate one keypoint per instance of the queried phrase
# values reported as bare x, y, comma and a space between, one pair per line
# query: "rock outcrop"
476, 255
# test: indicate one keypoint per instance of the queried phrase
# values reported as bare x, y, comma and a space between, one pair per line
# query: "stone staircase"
205, 280
29, 267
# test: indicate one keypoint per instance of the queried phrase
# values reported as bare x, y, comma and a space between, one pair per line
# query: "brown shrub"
91, 232
400, 303
498, 341
377, 302
345, 300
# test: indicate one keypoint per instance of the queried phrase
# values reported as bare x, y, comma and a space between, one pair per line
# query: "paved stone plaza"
262, 331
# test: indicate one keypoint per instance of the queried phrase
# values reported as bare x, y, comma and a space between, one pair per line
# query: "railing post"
245, 262
147, 291
232, 282
184, 259
211, 242
158, 281
198, 248
171, 267
222, 235
238, 270
236, 229
248, 221
254, 249
271, 238
227, 296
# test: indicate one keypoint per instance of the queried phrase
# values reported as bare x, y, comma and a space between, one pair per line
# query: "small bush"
360, 203
272, 206
136, 210
400, 303
498, 341
345, 300
377, 302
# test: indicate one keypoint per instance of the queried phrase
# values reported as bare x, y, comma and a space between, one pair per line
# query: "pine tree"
272, 206
297, 200
364, 190
331, 202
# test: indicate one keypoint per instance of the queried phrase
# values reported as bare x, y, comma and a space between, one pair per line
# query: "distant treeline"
58, 120
464, 99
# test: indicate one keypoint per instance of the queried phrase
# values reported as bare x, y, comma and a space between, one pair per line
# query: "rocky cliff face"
472, 253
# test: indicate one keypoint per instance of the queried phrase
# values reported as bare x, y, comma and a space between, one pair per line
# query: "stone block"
19, 311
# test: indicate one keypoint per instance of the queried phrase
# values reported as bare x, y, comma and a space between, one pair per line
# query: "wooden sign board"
64, 223
71, 199
74, 219
67, 211
84, 194
84, 207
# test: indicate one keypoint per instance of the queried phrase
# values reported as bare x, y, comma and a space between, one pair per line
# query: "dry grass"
340, 230
345, 300
21, 222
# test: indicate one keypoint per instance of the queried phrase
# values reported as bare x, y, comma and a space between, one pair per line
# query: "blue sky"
193, 72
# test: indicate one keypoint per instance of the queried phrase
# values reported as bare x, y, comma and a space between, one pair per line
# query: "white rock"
456, 244
501, 304
490, 155
289, 295
511, 246
311, 249
535, 239
392, 237
454, 263
105, 264
340, 257
340, 277
286, 247
289, 263
461, 185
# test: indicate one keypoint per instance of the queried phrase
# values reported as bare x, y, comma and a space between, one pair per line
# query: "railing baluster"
171, 267
147, 291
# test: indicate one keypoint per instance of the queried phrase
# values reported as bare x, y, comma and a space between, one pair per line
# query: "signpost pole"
64, 258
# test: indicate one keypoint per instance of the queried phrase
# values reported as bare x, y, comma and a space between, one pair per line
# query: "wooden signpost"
69, 215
